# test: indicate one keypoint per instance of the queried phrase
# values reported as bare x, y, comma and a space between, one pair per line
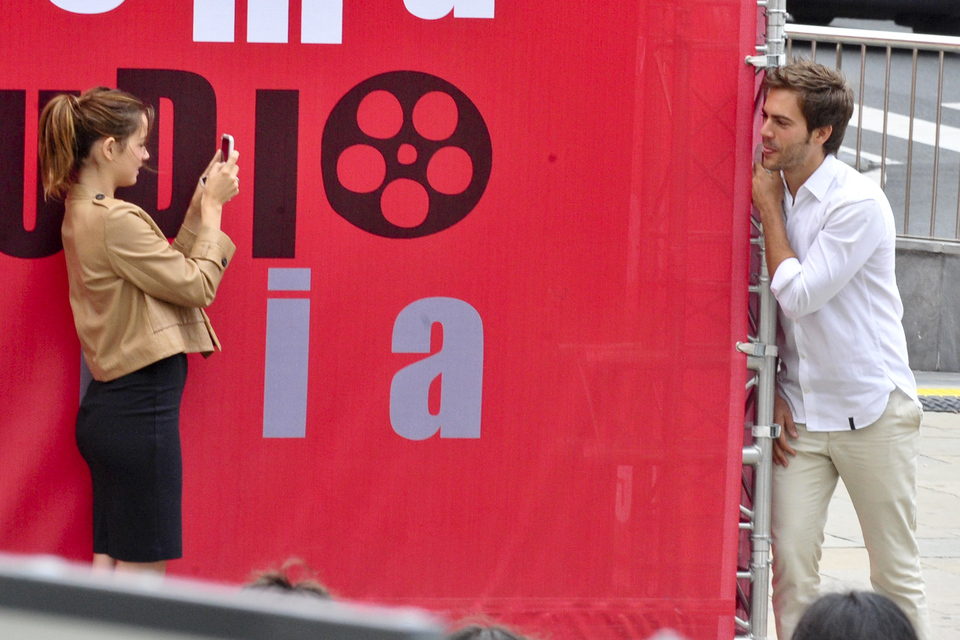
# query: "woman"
138, 306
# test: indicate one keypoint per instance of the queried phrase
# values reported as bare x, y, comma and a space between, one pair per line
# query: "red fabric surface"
606, 257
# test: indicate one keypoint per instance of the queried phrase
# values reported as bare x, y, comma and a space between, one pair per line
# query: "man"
846, 397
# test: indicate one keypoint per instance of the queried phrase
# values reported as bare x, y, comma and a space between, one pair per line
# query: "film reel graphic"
405, 154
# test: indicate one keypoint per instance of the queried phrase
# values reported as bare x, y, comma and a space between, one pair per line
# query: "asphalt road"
912, 192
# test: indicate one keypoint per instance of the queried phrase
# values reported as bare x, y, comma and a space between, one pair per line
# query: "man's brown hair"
823, 93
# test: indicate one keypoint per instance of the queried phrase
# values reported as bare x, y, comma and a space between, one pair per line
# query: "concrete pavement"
845, 565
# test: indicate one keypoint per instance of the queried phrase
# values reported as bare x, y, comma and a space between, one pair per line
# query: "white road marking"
952, 105
872, 157
898, 126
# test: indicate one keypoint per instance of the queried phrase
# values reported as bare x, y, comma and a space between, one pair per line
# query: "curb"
944, 399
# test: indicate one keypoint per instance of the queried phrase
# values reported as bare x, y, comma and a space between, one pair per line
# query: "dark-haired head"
484, 632
857, 615
283, 581
823, 94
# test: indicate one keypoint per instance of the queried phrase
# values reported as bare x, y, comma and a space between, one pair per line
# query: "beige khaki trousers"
878, 465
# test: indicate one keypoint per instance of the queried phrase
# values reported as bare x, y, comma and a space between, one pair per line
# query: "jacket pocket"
164, 315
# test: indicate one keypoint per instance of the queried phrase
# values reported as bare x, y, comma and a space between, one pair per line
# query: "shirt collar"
820, 180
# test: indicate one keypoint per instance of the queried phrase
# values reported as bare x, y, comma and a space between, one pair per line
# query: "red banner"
478, 334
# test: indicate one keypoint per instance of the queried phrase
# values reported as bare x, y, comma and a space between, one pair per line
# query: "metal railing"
905, 143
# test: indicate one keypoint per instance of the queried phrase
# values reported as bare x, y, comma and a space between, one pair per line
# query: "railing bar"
839, 38
957, 224
913, 112
863, 72
886, 112
936, 152
872, 38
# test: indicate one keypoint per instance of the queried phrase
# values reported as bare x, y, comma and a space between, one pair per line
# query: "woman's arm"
206, 205
139, 254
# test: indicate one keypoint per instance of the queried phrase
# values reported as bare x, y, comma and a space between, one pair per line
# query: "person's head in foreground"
856, 615
485, 632
294, 577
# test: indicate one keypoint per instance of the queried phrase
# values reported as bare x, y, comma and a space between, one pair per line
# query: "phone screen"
226, 146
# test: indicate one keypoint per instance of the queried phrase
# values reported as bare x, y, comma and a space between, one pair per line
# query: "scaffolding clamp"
766, 61
766, 430
758, 349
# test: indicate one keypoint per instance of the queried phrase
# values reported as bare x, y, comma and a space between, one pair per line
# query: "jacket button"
223, 262
99, 196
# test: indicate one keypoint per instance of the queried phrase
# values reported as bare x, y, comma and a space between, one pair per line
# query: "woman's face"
132, 156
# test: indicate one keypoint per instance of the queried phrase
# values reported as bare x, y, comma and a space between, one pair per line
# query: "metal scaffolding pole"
761, 351
771, 52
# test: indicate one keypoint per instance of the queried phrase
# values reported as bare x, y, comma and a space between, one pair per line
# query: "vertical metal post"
913, 115
886, 117
863, 74
763, 359
771, 52
936, 149
763, 470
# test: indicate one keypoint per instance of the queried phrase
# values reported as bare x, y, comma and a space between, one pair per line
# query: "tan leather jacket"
135, 297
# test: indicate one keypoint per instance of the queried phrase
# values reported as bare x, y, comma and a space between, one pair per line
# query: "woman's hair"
280, 580
857, 615
69, 125
484, 632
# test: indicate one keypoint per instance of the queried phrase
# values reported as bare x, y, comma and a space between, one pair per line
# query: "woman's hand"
222, 183
194, 208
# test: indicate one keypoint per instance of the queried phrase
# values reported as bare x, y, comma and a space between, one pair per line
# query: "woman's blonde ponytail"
58, 144
70, 125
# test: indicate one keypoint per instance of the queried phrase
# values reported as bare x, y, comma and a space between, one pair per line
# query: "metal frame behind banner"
753, 572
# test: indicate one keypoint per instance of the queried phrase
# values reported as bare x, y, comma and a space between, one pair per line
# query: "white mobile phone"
226, 146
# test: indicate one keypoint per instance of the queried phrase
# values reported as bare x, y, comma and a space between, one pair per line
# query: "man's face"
786, 141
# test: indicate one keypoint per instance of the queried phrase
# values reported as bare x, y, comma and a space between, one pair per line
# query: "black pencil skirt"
128, 431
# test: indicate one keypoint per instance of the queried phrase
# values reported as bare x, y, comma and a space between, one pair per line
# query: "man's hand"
767, 192
784, 417
768, 199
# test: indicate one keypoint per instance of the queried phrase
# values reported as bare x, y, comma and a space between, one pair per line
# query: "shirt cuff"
787, 271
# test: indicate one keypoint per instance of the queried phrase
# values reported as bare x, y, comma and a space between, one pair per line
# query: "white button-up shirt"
843, 349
